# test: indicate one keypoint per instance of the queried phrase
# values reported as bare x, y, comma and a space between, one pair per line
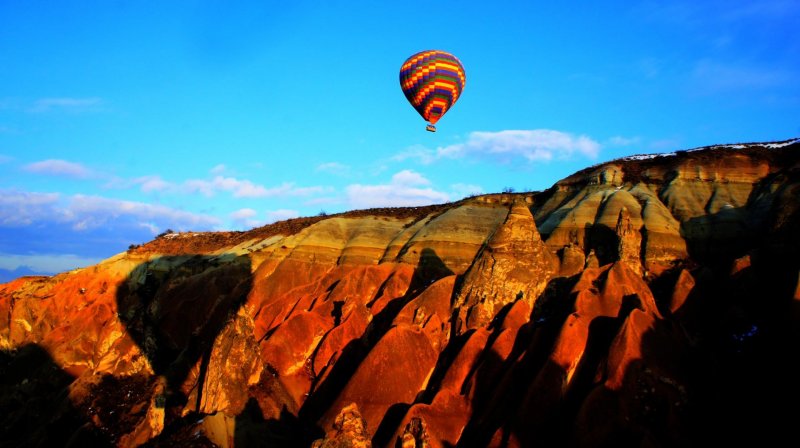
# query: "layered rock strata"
644, 301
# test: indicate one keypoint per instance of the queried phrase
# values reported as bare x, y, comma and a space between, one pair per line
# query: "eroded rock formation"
646, 301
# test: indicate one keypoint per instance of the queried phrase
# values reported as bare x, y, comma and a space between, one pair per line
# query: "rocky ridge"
642, 301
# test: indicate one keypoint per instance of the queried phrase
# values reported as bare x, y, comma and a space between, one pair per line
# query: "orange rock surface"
644, 301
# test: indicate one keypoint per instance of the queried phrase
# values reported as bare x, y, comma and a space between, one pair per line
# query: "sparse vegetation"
165, 233
208, 241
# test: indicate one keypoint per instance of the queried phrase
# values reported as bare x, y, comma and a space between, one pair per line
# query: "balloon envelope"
432, 81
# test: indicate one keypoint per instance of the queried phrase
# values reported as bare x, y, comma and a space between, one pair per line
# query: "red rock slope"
649, 300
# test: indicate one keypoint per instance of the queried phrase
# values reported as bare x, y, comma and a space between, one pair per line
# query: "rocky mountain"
646, 301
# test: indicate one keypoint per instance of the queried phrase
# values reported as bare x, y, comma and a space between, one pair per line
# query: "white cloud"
281, 214
531, 145
409, 178
66, 104
46, 262
288, 189
83, 212
239, 188
50, 232
335, 168
505, 146
153, 183
420, 153
247, 189
244, 217
219, 169
57, 167
243, 213
152, 228
20, 208
404, 190
93, 211
619, 140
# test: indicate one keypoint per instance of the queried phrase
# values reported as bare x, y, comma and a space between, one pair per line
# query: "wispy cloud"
21, 208
715, 76
506, 146
693, 14
530, 145
5, 159
419, 153
335, 168
238, 188
247, 189
619, 140
408, 178
57, 167
153, 183
245, 217
404, 190
65, 104
219, 169
243, 213
667, 144
93, 211
762, 9
82, 212
50, 232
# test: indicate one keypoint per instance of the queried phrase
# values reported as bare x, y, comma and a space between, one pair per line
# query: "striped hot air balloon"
432, 81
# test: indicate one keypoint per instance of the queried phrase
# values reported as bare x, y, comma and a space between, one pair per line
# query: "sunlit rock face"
650, 300
514, 264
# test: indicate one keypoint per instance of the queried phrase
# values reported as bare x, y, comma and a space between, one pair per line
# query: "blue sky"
120, 119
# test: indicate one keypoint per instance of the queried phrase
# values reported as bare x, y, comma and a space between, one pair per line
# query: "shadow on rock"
174, 307
430, 268
35, 409
500, 387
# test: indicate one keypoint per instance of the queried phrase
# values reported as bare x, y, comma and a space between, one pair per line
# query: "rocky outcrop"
629, 247
513, 265
415, 434
644, 301
351, 431
384, 379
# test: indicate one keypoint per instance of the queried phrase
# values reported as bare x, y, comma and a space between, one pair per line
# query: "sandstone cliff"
651, 300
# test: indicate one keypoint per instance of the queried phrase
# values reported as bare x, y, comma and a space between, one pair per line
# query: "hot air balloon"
432, 81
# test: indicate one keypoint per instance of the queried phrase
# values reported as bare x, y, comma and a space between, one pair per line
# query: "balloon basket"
430, 128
